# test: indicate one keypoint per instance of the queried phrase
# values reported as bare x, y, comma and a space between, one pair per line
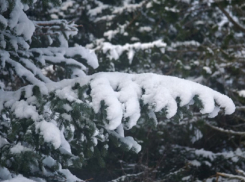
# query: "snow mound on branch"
122, 94
50, 132
241, 93
23, 110
18, 148
19, 21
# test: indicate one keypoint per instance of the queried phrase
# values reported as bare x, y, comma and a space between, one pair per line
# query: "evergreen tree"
198, 40
55, 118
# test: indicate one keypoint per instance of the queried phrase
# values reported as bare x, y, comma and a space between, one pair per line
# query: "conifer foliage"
202, 41
55, 117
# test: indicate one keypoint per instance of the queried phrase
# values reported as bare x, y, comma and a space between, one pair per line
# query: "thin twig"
236, 24
226, 131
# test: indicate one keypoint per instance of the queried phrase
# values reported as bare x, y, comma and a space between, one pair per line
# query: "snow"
122, 93
145, 29
67, 4
64, 143
174, 10
3, 142
227, 155
3, 21
204, 153
241, 93
129, 141
149, 5
186, 178
49, 161
101, 90
115, 51
38, 179
185, 43
36, 71
50, 132
197, 135
69, 177
131, 144
214, 113
67, 93
66, 116
87, 54
97, 10
21, 71
63, 41
19, 21
19, 178
207, 69
60, 54
18, 148
128, 7
4, 56
195, 163
67, 107
160, 92
105, 18
22, 110
54, 16
3, 6
112, 33
4, 173
120, 130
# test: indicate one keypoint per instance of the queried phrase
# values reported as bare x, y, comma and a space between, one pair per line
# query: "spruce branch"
231, 176
225, 131
236, 24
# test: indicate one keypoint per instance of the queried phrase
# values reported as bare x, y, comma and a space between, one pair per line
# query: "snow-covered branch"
225, 131
122, 93
231, 176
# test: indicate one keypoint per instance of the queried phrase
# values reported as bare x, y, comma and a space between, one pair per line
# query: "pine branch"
236, 24
231, 176
226, 131
240, 172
